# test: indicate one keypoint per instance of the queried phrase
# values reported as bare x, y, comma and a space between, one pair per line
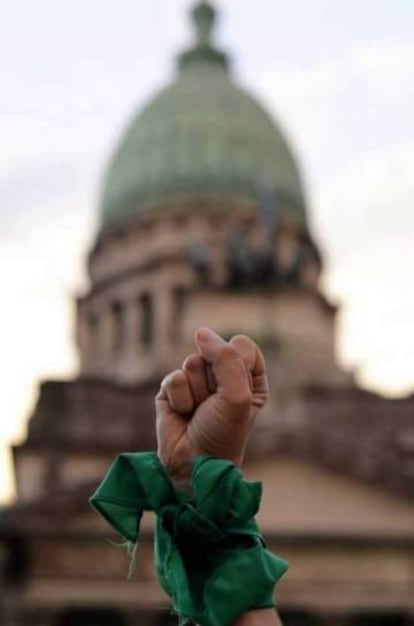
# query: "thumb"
209, 343
233, 388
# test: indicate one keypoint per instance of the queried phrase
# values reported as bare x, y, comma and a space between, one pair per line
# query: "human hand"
209, 406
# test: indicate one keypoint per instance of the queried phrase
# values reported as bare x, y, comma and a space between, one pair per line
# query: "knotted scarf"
210, 556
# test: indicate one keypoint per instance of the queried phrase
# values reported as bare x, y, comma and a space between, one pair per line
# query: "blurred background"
162, 168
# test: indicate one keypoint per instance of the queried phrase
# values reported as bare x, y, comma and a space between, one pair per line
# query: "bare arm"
261, 617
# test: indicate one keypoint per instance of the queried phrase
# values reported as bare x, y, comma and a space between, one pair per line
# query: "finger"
233, 389
177, 388
254, 360
170, 425
250, 353
229, 371
208, 342
195, 368
212, 384
162, 405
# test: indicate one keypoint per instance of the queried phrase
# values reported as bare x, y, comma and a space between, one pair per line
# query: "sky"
337, 76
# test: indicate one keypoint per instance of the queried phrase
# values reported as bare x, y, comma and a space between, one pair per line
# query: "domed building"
203, 221
203, 196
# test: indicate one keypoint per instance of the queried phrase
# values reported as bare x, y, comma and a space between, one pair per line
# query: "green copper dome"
202, 136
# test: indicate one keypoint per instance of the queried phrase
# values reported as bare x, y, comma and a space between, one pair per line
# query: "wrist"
179, 473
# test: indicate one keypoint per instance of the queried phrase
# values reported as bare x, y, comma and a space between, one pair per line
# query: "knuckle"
241, 336
192, 362
264, 384
163, 386
175, 379
242, 340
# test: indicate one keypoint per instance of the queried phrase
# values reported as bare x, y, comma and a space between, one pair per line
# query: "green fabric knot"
183, 520
209, 553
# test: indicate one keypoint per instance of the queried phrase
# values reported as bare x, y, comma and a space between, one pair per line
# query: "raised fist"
209, 406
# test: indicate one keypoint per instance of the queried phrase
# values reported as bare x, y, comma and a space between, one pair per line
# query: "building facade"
203, 222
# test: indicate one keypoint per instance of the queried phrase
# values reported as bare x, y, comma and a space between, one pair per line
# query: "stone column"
88, 337
82, 338
162, 317
132, 321
104, 353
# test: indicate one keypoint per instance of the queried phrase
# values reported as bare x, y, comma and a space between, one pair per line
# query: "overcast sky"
339, 78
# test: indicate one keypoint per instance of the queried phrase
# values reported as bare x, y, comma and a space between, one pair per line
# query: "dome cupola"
201, 137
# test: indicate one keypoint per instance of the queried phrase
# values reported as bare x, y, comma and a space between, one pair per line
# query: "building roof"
202, 136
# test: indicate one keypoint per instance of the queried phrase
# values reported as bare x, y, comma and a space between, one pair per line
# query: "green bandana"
210, 556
